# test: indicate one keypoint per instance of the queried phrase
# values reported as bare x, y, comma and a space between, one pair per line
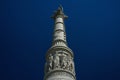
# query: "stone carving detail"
50, 62
59, 60
56, 61
70, 65
63, 61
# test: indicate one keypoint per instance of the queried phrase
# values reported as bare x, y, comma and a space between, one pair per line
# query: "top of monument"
60, 7
59, 12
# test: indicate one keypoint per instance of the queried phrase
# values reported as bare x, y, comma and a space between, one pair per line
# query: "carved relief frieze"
59, 60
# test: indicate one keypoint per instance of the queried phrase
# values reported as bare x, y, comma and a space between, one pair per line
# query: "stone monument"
59, 58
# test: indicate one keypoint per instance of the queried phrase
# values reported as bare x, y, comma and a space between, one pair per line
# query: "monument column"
59, 58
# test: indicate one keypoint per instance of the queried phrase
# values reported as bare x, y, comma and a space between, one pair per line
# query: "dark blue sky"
93, 33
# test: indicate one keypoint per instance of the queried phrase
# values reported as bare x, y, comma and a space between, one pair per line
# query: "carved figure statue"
63, 61
71, 65
50, 62
67, 66
56, 61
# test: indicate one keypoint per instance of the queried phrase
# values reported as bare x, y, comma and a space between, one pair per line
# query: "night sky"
93, 33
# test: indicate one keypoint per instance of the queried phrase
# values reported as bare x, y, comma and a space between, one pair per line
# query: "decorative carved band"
57, 48
59, 60
59, 40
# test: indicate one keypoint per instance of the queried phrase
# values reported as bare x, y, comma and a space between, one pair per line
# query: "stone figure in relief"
50, 62
71, 65
63, 61
56, 61
67, 66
